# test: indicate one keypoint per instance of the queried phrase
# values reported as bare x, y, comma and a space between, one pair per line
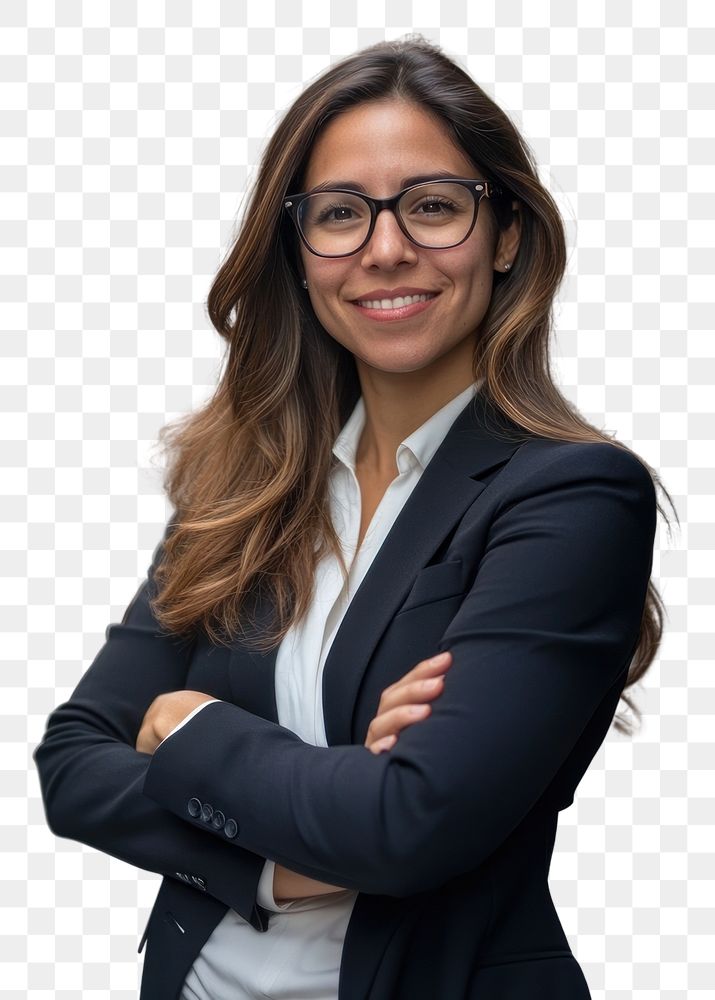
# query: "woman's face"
378, 144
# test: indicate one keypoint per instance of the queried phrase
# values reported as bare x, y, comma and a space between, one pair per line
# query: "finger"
384, 744
428, 668
431, 667
394, 721
145, 740
407, 694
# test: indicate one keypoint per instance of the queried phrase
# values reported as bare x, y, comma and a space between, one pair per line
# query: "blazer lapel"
479, 439
447, 487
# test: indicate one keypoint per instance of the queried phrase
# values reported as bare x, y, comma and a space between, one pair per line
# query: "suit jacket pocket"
434, 583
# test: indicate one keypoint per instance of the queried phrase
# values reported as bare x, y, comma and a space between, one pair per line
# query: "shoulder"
543, 464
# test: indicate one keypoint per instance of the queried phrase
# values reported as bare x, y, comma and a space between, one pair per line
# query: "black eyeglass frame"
479, 189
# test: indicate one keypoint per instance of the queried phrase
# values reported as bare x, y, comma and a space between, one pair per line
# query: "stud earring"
304, 283
507, 266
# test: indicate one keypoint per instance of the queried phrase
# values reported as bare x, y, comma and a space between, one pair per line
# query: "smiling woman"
442, 234
385, 472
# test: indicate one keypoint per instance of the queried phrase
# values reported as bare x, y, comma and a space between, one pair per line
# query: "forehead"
378, 143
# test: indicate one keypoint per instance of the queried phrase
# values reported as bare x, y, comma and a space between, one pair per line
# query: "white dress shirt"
299, 955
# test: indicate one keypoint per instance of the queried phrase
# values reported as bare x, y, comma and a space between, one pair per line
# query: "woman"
385, 472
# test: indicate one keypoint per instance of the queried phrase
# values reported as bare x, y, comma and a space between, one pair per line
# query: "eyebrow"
433, 175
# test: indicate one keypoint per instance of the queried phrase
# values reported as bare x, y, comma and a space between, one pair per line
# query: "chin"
395, 365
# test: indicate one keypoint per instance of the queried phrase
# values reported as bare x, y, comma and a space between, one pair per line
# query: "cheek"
473, 278
325, 283
465, 264
477, 260
323, 294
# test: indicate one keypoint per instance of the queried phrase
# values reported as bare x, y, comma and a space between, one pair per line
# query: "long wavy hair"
248, 472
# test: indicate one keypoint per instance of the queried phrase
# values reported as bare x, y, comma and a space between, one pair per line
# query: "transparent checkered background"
129, 134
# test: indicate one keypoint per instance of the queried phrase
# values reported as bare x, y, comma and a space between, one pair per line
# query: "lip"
404, 312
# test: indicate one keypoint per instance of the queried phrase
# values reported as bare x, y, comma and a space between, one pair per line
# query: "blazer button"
207, 811
231, 828
194, 807
218, 819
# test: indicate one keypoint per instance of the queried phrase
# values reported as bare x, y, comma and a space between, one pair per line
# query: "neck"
396, 404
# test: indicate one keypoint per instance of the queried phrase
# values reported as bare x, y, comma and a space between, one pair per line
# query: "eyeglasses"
435, 215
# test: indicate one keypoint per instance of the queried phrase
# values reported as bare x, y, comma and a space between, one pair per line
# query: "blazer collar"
480, 439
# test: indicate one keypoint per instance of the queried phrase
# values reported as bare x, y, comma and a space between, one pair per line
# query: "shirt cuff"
183, 722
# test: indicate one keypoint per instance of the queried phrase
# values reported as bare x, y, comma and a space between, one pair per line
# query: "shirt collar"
418, 447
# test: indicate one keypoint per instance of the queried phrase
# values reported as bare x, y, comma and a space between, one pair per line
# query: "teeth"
407, 300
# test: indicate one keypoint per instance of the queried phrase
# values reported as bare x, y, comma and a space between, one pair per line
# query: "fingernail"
440, 657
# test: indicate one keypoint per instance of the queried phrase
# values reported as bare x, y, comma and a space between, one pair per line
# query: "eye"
442, 203
324, 215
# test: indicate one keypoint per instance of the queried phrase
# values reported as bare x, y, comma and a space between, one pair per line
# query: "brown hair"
248, 473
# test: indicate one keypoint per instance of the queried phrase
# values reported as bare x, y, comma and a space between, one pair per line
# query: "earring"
304, 283
507, 266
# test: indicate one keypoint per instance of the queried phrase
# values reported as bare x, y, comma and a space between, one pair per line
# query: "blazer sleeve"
192, 713
547, 629
91, 776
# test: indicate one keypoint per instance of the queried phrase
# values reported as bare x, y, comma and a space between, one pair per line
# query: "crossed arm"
396, 711
547, 629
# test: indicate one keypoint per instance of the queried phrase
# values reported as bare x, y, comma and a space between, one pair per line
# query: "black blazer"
529, 560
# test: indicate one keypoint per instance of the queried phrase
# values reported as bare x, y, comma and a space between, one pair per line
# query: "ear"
508, 241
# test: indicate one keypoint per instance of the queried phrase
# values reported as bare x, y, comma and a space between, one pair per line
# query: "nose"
388, 245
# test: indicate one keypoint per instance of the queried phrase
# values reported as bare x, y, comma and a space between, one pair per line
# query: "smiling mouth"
397, 303
390, 311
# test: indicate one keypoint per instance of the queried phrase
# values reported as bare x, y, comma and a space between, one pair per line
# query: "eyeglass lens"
437, 215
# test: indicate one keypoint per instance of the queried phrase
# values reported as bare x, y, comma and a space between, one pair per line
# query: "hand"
394, 712
166, 711
289, 886
393, 715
